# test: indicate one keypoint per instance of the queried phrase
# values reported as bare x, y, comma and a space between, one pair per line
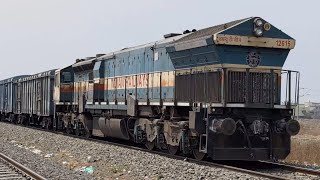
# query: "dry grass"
305, 147
310, 127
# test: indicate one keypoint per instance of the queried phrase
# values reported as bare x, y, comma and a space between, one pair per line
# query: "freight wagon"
34, 99
7, 98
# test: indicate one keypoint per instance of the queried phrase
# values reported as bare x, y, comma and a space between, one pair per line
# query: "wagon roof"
12, 79
38, 75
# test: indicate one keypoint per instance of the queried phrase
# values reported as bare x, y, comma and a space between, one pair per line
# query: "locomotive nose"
292, 127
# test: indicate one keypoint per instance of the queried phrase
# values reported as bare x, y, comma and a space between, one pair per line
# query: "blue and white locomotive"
215, 93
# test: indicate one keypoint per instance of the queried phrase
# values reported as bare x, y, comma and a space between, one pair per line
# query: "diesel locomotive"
214, 92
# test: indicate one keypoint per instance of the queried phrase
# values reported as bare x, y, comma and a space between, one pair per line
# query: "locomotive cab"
63, 85
63, 94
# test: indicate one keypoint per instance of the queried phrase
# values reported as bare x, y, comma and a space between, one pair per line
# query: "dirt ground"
305, 147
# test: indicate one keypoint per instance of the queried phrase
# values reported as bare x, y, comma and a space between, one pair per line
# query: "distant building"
300, 111
309, 110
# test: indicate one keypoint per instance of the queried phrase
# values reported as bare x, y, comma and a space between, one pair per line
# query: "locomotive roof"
157, 43
212, 30
180, 38
200, 38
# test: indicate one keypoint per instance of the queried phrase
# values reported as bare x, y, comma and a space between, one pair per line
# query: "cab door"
82, 95
56, 96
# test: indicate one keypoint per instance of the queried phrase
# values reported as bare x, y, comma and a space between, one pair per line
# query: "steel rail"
28, 172
293, 168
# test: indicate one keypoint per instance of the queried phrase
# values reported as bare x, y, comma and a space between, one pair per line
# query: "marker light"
267, 26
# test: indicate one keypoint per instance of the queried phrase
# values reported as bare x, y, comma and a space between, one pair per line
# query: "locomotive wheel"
48, 125
78, 131
197, 154
69, 129
86, 133
24, 122
173, 149
150, 145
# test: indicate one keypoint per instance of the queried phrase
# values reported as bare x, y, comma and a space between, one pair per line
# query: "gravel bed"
61, 157
36, 162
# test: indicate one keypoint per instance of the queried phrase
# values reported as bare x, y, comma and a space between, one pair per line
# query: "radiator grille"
200, 87
259, 87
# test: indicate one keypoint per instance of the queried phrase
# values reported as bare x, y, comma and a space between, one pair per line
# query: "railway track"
10, 169
291, 168
252, 168
274, 168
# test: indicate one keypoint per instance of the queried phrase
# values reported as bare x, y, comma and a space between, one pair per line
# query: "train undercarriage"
27, 119
217, 133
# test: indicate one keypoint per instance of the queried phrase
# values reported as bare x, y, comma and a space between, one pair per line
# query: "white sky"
38, 35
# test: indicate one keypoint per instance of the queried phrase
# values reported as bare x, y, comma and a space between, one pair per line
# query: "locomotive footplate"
236, 147
247, 154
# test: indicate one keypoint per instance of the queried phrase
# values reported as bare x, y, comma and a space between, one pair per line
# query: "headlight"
258, 22
258, 27
258, 32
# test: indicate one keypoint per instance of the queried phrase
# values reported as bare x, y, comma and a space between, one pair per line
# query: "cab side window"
91, 77
66, 77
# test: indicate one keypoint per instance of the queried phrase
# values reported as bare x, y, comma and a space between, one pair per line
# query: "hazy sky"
38, 35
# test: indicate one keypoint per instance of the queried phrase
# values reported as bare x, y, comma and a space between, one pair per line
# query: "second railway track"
10, 169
